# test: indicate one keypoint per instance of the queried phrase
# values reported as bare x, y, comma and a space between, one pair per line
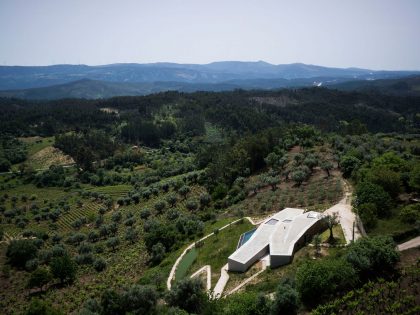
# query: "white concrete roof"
280, 232
262, 236
287, 233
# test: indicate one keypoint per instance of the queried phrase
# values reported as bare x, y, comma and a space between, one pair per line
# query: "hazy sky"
376, 34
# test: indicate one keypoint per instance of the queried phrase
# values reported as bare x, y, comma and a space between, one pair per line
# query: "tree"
388, 179
188, 294
368, 214
140, 299
367, 192
112, 303
298, 176
414, 180
171, 200
20, 251
373, 256
216, 232
310, 161
348, 164
318, 280
410, 214
273, 160
64, 268
191, 205
184, 190
116, 216
273, 182
157, 253
331, 220
327, 166
93, 236
160, 205
205, 200
113, 243
131, 235
286, 300
40, 277
5, 165
145, 213
317, 243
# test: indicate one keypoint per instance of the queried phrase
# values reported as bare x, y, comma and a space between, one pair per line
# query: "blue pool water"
245, 237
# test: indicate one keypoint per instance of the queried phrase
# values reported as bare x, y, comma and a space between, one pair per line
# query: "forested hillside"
100, 197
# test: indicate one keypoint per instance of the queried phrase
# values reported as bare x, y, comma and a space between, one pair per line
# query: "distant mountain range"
81, 81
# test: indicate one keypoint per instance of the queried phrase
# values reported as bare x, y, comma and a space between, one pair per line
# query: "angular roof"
280, 232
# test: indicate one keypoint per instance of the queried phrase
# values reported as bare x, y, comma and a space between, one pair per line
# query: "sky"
374, 34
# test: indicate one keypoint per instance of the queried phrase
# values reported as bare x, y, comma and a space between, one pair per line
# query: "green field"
185, 264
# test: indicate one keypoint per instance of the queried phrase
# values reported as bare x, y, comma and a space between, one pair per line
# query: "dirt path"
221, 283
346, 216
415, 242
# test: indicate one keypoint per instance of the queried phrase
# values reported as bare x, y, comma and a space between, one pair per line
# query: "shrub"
85, 248
84, 259
58, 251
31, 264
410, 214
99, 264
246, 304
39, 307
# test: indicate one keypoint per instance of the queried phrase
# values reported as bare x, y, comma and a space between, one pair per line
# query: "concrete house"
279, 237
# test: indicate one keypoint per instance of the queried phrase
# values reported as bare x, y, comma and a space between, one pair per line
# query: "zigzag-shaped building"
279, 237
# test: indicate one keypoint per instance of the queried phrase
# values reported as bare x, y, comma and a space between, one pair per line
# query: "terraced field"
88, 209
115, 191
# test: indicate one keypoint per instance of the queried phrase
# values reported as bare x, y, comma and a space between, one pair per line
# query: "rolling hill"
402, 86
22, 77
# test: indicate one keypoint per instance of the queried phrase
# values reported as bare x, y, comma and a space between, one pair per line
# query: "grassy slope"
216, 249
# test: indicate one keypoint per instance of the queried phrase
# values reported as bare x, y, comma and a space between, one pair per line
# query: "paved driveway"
346, 216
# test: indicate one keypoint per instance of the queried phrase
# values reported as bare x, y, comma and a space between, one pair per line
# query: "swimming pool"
245, 237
